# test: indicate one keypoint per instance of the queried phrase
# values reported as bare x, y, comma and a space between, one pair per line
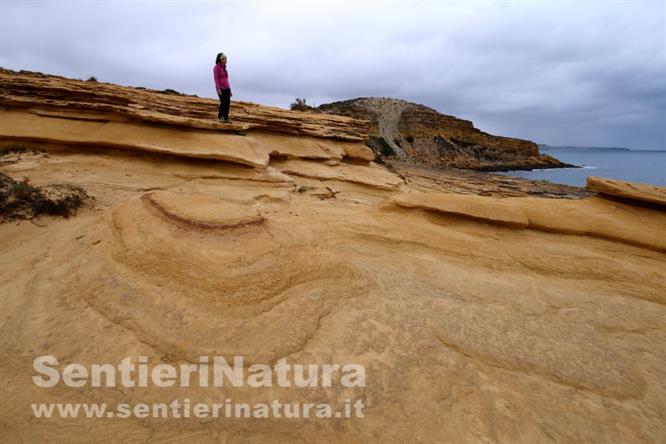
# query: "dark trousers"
225, 101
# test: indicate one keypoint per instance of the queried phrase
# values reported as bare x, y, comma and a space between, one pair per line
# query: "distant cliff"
411, 132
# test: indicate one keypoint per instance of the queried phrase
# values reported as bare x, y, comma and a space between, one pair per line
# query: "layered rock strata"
409, 132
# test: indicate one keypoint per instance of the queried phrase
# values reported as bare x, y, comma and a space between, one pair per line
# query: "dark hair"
219, 56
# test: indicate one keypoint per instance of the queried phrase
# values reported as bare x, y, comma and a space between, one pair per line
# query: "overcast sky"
555, 72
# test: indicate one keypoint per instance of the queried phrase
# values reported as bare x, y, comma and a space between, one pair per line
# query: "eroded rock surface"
69, 98
594, 216
499, 318
627, 190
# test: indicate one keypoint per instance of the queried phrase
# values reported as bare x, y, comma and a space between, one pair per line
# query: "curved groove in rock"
242, 218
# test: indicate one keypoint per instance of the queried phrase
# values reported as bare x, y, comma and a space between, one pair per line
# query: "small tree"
92, 79
300, 105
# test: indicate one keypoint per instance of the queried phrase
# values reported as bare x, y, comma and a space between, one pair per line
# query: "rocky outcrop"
631, 191
27, 89
410, 132
497, 211
51, 109
476, 318
595, 216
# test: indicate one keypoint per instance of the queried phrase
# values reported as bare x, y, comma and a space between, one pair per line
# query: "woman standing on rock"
222, 86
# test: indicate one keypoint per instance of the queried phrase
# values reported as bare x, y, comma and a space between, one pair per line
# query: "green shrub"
300, 105
172, 92
20, 200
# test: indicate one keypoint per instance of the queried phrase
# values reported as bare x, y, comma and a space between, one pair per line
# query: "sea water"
646, 166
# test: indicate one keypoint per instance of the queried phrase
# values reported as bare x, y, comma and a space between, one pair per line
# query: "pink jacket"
221, 77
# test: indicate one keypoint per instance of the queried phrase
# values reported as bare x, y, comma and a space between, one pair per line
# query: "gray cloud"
587, 72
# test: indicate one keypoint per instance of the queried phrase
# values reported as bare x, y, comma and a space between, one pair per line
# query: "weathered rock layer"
497, 318
73, 97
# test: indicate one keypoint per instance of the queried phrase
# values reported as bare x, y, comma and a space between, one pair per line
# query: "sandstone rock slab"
372, 175
28, 89
477, 207
628, 190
